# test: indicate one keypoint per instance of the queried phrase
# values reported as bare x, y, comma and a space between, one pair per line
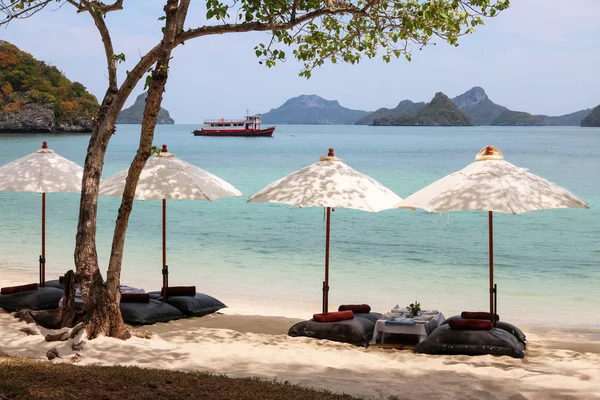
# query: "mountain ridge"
312, 110
441, 111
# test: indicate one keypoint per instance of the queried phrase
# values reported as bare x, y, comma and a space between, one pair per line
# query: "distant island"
36, 97
383, 116
592, 119
520, 118
135, 113
312, 110
441, 111
474, 104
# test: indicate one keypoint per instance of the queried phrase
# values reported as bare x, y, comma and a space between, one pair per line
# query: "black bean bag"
500, 325
54, 284
193, 306
40, 299
149, 313
496, 341
357, 331
372, 316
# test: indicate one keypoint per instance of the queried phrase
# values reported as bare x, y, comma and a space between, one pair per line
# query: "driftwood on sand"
65, 316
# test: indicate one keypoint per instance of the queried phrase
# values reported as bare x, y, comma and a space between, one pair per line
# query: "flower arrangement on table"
414, 309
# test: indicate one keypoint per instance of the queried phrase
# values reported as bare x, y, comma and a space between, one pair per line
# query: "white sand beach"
559, 364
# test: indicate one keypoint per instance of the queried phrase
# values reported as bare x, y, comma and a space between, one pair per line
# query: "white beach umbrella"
492, 184
167, 177
41, 172
328, 183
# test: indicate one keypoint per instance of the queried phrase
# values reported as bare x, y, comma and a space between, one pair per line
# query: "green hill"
135, 113
36, 97
441, 111
519, 118
312, 110
385, 115
593, 119
572, 119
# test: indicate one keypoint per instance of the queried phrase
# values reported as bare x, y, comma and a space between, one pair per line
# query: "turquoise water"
271, 256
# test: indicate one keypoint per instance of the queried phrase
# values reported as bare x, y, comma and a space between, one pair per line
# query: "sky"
539, 56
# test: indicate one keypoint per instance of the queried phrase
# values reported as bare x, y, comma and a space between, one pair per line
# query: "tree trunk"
102, 299
160, 75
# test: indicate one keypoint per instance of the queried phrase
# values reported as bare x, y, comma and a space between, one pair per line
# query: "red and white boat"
248, 127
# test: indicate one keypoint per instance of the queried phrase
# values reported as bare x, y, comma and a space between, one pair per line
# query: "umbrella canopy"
328, 183
43, 172
492, 184
167, 177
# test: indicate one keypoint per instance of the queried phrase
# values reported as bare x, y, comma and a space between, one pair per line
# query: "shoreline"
558, 363
276, 307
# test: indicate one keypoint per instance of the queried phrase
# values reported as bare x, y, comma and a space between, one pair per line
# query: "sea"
268, 259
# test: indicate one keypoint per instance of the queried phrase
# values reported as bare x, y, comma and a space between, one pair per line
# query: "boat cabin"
251, 123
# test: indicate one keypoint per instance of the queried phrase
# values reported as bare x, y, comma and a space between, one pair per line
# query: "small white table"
419, 329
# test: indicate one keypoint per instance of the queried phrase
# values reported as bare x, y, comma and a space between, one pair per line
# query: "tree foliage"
318, 31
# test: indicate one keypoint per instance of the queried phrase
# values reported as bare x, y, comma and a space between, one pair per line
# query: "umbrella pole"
326, 282
492, 289
165, 269
43, 256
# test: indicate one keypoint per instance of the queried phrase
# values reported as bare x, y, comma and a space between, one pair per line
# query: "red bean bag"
334, 316
356, 308
19, 289
478, 315
135, 298
180, 291
470, 324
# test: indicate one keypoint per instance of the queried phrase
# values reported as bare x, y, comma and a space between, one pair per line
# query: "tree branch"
260, 26
111, 62
182, 11
8, 9
99, 5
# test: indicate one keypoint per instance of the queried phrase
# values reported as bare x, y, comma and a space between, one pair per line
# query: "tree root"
140, 333
29, 331
66, 316
57, 337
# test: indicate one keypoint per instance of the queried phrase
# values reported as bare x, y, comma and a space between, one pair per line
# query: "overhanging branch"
111, 62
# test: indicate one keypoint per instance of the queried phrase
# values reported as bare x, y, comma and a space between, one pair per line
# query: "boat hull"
268, 132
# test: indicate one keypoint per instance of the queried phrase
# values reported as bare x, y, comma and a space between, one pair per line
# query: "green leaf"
148, 81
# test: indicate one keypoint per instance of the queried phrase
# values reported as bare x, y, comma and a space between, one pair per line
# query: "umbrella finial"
489, 153
164, 149
44, 145
329, 157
